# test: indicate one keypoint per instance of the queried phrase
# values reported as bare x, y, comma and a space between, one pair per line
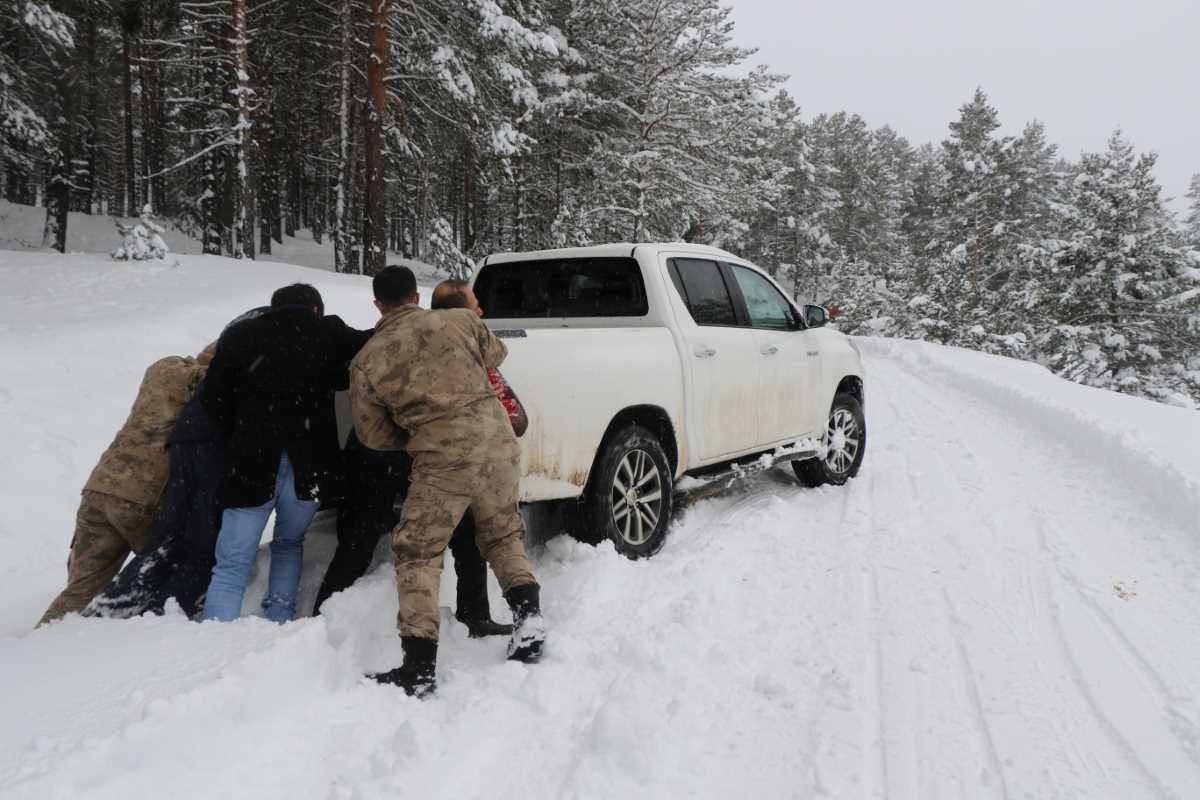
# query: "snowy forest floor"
1005, 603
21, 228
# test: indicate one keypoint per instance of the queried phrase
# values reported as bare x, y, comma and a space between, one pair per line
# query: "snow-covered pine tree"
30, 32
1011, 295
974, 204
142, 240
1190, 231
788, 225
1123, 312
37, 112
472, 76
673, 116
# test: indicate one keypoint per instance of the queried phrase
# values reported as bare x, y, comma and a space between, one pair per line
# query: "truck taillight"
512, 404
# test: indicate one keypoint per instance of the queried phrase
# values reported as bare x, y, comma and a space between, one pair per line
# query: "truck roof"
615, 250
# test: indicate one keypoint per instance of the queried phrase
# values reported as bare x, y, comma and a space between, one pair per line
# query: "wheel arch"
852, 384
651, 417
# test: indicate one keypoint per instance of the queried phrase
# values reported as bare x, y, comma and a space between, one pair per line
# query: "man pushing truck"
421, 384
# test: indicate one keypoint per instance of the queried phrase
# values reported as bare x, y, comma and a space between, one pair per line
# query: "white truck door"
789, 359
722, 413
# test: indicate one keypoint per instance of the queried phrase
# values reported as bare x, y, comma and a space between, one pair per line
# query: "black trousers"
376, 482
179, 559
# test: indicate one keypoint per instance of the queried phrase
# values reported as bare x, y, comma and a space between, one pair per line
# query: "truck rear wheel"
631, 493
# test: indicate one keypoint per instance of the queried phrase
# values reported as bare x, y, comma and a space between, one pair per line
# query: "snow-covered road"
1005, 603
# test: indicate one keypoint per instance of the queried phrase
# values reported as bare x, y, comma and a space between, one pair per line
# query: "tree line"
449, 129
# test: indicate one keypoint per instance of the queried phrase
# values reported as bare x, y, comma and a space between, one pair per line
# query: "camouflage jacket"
134, 467
420, 384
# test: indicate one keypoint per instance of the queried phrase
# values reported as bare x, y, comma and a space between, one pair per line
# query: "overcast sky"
1083, 67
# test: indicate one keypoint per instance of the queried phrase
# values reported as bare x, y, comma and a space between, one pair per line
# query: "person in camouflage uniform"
178, 559
420, 384
123, 490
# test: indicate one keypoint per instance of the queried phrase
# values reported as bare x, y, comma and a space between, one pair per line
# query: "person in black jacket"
270, 390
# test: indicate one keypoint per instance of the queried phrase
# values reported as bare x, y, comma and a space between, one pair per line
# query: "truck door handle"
768, 350
703, 351
814, 352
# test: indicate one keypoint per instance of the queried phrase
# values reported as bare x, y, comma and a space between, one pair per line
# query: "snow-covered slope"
21, 228
1005, 603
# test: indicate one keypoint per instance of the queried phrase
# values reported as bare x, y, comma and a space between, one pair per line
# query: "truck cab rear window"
703, 289
570, 287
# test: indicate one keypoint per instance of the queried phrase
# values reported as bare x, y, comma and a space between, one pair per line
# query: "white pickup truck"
641, 364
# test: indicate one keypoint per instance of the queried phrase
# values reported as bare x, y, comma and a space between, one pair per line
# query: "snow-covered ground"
1005, 603
21, 228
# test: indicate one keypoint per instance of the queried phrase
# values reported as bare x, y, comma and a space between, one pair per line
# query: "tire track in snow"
874, 734
1083, 687
947, 415
1017, 452
1102, 627
948, 622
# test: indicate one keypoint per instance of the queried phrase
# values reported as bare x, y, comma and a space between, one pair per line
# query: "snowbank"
1155, 451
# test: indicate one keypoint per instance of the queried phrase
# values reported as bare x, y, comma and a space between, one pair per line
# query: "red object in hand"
512, 404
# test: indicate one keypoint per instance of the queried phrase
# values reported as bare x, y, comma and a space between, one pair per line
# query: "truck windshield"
569, 287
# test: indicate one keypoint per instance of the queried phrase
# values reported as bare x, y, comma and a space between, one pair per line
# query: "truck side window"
767, 307
703, 290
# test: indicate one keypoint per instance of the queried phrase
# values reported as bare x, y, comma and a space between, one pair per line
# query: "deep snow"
1005, 603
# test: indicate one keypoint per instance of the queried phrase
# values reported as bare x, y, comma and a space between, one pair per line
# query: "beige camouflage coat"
420, 384
135, 465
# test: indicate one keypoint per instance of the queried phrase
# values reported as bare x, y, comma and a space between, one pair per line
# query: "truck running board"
705, 483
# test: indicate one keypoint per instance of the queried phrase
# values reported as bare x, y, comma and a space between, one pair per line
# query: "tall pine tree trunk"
127, 88
58, 197
89, 190
468, 195
341, 232
213, 161
147, 96
243, 235
375, 216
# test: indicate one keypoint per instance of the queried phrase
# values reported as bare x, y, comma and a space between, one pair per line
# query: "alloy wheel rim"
842, 440
637, 497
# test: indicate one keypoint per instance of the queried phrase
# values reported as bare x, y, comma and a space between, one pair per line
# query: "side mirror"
815, 316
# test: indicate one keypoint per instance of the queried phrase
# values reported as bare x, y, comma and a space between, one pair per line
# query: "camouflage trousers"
438, 497
107, 528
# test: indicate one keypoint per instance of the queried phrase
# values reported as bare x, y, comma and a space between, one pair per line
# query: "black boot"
416, 675
479, 628
529, 629
477, 616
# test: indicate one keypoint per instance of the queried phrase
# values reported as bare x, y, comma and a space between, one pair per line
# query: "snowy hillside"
1005, 603
21, 228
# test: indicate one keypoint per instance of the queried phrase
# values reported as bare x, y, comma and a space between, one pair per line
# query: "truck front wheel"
630, 495
844, 444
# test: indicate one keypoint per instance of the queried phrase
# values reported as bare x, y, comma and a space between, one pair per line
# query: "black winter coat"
270, 389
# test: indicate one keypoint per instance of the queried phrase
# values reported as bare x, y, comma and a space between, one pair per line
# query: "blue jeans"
237, 549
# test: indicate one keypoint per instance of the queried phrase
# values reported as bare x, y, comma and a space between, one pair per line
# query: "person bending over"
178, 560
270, 391
123, 490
